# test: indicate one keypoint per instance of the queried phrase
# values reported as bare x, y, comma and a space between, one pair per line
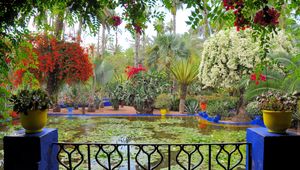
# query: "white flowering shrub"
229, 55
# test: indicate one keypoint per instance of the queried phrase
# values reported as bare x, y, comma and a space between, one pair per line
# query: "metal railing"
226, 156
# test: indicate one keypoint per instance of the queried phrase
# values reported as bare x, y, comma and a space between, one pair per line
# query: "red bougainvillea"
258, 77
68, 59
64, 61
267, 16
116, 21
240, 21
131, 71
137, 29
232, 4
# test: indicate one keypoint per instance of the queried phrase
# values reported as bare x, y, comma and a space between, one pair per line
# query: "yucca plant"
192, 107
185, 73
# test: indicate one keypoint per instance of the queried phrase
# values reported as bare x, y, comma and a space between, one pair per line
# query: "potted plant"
277, 110
163, 102
115, 93
33, 106
69, 104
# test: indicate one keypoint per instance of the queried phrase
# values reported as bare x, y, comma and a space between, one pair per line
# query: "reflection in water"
123, 130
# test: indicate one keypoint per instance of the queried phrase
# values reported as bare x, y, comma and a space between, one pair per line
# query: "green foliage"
26, 100
282, 76
116, 93
166, 49
222, 105
253, 110
119, 61
163, 101
184, 72
192, 106
142, 90
175, 103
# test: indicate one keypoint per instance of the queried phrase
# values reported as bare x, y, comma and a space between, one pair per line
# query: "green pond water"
170, 130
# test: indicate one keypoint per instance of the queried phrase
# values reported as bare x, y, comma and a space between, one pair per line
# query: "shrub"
221, 105
253, 110
141, 90
175, 103
163, 101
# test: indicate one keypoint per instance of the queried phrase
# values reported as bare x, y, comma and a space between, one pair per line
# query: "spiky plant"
185, 73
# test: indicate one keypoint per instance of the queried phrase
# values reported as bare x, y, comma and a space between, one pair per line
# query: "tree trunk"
142, 57
59, 24
183, 91
207, 29
116, 42
137, 47
241, 115
103, 40
78, 38
174, 11
241, 103
52, 89
83, 109
98, 44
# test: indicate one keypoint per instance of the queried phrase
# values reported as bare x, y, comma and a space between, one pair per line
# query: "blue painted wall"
31, 151
272, 151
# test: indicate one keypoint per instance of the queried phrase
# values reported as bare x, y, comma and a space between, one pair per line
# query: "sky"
125, 38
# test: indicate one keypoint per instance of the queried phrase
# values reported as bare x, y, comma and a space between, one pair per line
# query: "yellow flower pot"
34, 121
163, 111
277, 121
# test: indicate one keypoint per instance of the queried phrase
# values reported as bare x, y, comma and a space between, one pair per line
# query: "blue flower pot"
70, 110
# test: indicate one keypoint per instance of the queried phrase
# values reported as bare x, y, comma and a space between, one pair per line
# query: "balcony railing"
226, 156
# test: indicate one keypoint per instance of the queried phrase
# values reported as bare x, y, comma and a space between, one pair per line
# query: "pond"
171, 130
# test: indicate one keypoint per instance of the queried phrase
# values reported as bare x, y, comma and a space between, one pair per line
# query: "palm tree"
167, 48
137, 48
173, 6
103, 16
185, 73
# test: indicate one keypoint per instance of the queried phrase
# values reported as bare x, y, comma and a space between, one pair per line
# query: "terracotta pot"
277, 121
34, 121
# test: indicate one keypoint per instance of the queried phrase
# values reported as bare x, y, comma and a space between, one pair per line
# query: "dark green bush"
175, 104
252, 109
224, 106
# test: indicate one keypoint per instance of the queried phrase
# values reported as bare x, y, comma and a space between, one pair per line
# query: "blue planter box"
106, 102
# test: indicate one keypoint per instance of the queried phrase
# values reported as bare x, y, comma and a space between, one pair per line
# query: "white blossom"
229, 55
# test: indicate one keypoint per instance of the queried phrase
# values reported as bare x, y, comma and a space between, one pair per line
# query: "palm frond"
184, 72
